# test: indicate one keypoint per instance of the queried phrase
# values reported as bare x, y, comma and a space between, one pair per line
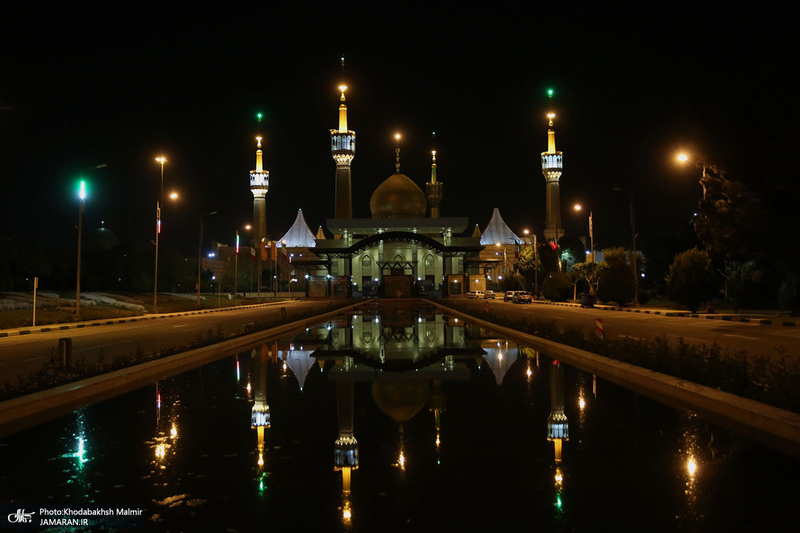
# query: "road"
20, 355
768, 340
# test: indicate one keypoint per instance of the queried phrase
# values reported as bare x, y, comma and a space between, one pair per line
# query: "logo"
20, 517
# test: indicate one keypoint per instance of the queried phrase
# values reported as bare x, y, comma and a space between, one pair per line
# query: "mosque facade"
406, 248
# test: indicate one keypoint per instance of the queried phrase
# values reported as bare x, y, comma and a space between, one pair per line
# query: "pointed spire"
259, 156
320, 234
551, 135
433, 155
342, 111
397, 153
476, 232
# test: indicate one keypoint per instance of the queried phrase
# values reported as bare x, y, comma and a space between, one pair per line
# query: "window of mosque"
366, 337
399, 258
366, 261
428, 260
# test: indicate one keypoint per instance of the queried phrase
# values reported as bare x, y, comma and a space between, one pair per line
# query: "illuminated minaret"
433, 188
343, 149
551, 168
259, 185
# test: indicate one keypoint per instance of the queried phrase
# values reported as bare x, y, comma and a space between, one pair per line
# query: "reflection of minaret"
259, 185
343, 149
345, 451
434, 189
557, 425
551, 168
260, 415
437, 405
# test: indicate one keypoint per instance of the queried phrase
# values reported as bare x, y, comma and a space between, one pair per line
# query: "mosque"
407, 248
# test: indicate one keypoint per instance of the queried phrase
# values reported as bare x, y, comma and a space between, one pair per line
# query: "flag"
263, 250
252, 254
274, 250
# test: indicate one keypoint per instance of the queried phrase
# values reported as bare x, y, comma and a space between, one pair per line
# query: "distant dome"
102, 239
398, 197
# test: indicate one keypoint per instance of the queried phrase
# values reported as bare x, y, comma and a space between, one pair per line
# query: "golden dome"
401, 400
398, 197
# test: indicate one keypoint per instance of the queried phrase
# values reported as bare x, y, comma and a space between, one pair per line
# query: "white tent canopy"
498, 231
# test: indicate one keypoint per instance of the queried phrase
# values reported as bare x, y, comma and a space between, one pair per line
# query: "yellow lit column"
343, 150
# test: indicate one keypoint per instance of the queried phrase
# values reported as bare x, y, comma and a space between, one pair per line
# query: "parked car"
489, 295
509, 296
478, 295
523, 297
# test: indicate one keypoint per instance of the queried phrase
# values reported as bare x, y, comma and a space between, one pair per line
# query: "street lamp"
684, 158
199, 254
578, 207
81, 207
162, 160
82, 196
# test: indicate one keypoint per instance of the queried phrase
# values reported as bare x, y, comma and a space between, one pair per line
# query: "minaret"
259, 185
343, 149
434, 189
551, 168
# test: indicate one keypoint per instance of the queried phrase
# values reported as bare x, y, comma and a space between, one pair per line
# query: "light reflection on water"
402, 417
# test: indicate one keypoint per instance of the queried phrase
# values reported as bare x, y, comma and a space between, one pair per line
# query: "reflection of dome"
398, 197
401, 400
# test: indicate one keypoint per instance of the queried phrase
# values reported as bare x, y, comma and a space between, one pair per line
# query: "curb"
112, 321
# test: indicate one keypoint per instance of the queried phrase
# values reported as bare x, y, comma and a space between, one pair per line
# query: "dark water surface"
400, 419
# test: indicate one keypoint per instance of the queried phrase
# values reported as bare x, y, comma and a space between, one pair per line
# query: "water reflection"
429, 412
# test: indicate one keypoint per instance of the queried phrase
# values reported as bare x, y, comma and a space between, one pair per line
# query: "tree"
730, 218
691, 279
615, 282
736, 274
591, 273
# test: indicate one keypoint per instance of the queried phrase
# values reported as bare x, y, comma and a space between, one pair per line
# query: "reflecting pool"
397, 417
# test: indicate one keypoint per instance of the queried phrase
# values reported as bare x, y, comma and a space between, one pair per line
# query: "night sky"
120, 83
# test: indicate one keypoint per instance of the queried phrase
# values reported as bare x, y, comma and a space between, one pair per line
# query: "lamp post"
633, 241
82, 204
591, 233
81, 207
162, 160
236, 269
199, 254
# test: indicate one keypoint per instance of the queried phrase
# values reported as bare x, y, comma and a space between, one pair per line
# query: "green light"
258, 115
550, 92
82, 190
558, 501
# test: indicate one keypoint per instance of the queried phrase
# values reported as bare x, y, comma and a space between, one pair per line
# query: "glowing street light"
82, 197
162, 160
578, 207
81, 206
